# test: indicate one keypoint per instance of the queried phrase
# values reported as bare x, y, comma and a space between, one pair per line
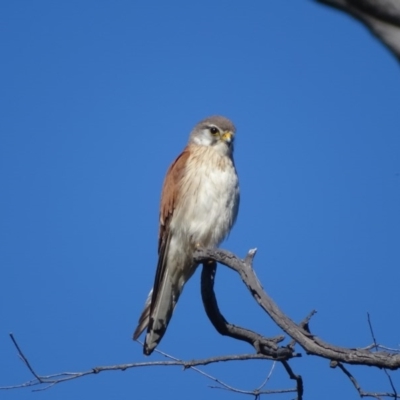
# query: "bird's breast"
209, 199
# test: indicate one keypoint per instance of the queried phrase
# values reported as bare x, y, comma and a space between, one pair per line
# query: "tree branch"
382, 17
357, 386
256, 392
266, 346
261, 344
47, 381
309, 342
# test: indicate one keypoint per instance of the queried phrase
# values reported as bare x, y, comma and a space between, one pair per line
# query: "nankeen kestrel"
199, 205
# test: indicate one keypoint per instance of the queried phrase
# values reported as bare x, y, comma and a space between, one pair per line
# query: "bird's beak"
227, 137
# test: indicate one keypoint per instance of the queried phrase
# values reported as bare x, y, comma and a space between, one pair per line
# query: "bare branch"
304, 325
372, 331
256, 392
23, 358
268, 376
48, 381
262, 345
382, 17
360, 391
310, 343
297, 378
376, 347
267, 348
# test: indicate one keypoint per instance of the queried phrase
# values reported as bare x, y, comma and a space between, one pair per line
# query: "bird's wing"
169, 200
159, 302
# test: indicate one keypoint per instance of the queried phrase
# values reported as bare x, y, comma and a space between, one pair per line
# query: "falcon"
199, 205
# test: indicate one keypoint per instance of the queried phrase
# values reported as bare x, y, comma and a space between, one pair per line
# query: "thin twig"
255, 392
264, 382
304, 325
376, 347
297, 378
24, 359
379, 346
371, 330
53, 379
357, 386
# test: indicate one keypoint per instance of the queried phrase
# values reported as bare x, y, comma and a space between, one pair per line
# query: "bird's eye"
213, 130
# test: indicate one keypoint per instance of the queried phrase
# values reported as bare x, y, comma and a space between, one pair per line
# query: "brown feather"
170, 193
169, 198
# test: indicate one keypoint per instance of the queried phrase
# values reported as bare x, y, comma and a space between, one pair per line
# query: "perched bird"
199, 205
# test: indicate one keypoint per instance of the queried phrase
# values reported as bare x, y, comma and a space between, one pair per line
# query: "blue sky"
98, 98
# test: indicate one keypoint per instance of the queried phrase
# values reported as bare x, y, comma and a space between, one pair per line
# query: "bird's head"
215, 131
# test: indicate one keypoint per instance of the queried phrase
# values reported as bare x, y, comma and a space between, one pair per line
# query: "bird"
199, 205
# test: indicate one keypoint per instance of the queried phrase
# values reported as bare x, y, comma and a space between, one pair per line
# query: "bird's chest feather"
209, 202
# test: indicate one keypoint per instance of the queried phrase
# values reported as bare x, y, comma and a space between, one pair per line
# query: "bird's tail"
157, 313
144, 317
163, 304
